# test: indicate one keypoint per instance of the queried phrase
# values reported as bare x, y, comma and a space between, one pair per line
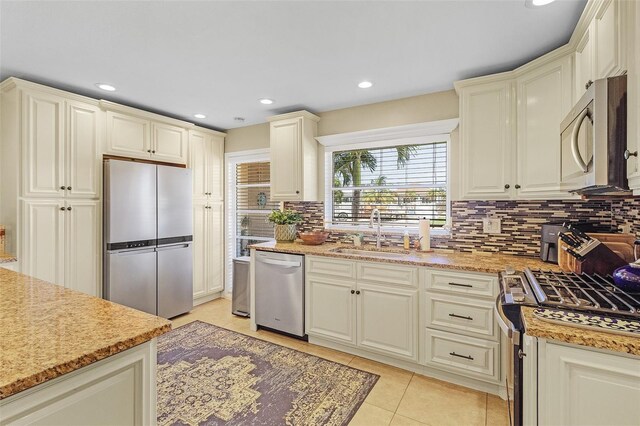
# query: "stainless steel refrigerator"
148, 232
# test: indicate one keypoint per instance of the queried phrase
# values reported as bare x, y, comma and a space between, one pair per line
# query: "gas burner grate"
593, 293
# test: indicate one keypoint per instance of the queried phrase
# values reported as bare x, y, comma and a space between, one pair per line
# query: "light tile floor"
399, 397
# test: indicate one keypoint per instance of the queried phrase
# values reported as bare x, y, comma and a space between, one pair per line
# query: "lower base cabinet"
356, 312
119, 390
208, 275
579, 386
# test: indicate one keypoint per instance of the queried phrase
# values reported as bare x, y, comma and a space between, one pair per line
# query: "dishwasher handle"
283, 263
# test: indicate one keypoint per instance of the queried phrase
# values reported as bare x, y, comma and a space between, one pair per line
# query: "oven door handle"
503, 322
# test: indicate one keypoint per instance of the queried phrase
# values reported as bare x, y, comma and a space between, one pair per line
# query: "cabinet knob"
297, 192
153, 152
62, 208
149, 151
357, 291
68, 188
353, 291
517, 186
63, 187
507, 186
588, 84
68, 208
628, 154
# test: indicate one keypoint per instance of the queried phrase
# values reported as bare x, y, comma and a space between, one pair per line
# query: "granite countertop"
447, 259
579, 335
47, 330
6, 258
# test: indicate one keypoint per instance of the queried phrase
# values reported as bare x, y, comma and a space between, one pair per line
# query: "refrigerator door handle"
130, 252
173, 246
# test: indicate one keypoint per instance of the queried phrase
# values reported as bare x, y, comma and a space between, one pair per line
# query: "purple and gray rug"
208, 375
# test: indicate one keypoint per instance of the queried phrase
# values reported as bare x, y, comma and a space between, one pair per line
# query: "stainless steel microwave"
594, 140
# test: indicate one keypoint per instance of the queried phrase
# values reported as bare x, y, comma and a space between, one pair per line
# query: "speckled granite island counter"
73, 341
445, 259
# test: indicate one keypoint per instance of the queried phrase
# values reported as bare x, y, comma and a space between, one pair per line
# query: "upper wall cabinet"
61, 145
486, 135
133, 134
609, 34
583, 64
633, 94
294, 169
206, 160
543, 99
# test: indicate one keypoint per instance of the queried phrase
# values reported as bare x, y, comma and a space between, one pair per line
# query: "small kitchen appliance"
549, 234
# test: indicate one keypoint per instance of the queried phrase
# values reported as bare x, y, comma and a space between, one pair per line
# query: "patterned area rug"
208, 375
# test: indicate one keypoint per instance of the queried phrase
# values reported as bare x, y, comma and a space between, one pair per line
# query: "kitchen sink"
372, 253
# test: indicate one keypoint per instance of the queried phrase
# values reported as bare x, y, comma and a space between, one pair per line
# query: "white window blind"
404, 182
252, 205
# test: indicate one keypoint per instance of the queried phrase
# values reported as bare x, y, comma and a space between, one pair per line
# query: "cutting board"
620, 244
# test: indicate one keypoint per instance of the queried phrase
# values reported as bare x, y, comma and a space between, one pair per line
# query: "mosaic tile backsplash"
521, 221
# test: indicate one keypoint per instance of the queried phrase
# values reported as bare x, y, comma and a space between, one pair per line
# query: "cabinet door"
198, 163
388, 320
169, 143
330, 308
216, 168
43, 146
42, 251
486, 140
584, 64
544, 98
215, 248
200, 217
84, 143
83, 254
633, 97
580, 387
609, 53
286, 173
128, 135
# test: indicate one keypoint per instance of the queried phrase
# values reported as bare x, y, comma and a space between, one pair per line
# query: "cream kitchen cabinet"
633, 95
207, 250
293, 152
579, 386
61, 242
460, 334
583, 63
609, 31
544, 97
487, 127
135, 134
509, 131
206, 160
362, 313
61, 143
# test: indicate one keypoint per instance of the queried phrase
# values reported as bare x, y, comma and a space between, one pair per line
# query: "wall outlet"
491, 225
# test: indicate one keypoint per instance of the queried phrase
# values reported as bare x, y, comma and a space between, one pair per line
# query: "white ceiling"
219, 58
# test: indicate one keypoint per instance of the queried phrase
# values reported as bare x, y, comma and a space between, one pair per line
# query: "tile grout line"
404, 393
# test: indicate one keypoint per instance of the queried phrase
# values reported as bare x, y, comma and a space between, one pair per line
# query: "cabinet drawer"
382, 273
464, 355
331, 267
462, 283
461, 315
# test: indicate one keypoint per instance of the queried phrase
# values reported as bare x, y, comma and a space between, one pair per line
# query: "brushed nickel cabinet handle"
461, 317
470, 358
628, 154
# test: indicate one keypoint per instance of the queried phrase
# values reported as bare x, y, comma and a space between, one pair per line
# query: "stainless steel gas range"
591, 294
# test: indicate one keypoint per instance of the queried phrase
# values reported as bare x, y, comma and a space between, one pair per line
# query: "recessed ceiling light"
107, 87
536, 3
199, 116
266, 101
365, 84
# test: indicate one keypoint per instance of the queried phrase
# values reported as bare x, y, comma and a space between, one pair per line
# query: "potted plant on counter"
285, 221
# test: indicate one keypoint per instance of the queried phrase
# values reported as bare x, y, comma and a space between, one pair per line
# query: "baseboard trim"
207, 298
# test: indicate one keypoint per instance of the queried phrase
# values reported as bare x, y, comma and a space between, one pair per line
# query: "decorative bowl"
627, 278
313, 238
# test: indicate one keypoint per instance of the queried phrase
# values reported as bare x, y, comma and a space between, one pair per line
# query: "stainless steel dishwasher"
279, 290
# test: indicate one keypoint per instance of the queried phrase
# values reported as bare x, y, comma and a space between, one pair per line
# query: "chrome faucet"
379, 236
